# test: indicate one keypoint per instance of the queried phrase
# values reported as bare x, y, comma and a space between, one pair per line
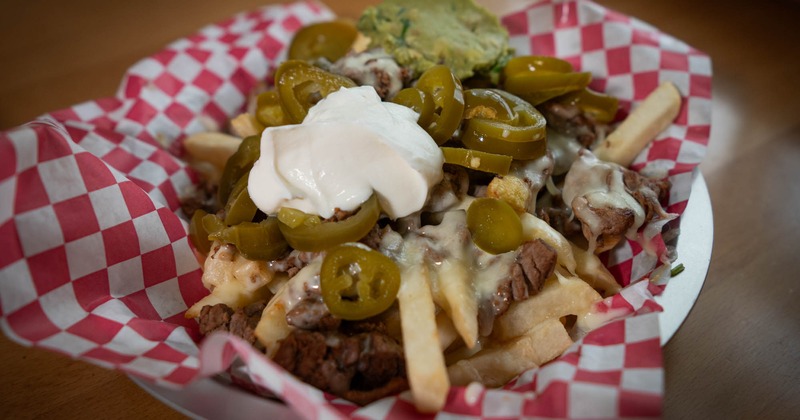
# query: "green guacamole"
423, 33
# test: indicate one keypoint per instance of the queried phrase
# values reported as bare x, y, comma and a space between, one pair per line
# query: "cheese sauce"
592, 183
450, 240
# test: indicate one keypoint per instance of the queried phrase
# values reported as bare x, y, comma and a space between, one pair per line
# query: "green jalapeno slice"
537, 79
197, 233
494, 225
240, 207
358, 283
523, 140
255, 241
486, 103
269, 111
238, 165
331, 40
294, 218
212, 224
602, 107
420, 102
532, 63
539, 86
301, 85
310, 236
475, 159
448, 98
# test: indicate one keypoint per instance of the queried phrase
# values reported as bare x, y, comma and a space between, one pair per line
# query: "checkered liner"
97, 265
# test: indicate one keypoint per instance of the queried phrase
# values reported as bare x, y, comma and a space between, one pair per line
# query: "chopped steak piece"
395, 386
535, 262
561, 219
339, 215
650, 193
293, 262
570, 120
241, 322
610, 227
363, 326
361, 368
312, 314
373, 68
375, 236
450, 190
611, 201
215, 318
244, 321
201, 197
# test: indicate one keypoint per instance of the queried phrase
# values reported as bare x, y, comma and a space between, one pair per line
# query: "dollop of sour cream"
349, 146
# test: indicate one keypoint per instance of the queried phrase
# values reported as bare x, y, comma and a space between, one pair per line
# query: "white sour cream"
349, 145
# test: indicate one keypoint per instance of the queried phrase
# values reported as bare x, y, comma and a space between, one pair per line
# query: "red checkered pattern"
96, 261
97, 265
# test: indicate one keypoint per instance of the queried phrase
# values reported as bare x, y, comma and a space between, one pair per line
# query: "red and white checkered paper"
96, 263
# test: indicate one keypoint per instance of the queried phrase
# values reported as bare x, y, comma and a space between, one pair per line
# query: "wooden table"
736, 356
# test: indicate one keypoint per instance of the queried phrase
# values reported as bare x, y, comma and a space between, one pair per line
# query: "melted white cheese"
592, 183
450, 240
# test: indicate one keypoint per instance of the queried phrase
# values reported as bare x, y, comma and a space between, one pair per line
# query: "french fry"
453, 355
211, 147
231, 294
536, 228
272, 327
462, 305
446, 330
559, 297
495, 366
649, 119
427, 373
225, 265
592, 271
245, 125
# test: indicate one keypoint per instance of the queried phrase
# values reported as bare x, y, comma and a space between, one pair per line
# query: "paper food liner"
96, 262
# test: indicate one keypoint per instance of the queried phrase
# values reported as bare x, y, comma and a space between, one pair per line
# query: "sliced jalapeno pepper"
238, 165
602, 107
269, 111
255, 241
212, 224
523, 140
532, 63
474, 159
331, 40
301, 85
240, 207
307, 236
495, 226
537, 79
294, 218
420, 102
358, 283
486, 103
448, 98
197, 233
539, 86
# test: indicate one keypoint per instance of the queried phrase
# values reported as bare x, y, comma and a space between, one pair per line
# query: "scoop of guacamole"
423, 33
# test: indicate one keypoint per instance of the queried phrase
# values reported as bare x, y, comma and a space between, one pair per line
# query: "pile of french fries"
438, 307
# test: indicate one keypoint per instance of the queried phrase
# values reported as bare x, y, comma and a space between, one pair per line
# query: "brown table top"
736, 356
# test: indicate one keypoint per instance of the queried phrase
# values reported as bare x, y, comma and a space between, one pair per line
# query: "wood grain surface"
737, 354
